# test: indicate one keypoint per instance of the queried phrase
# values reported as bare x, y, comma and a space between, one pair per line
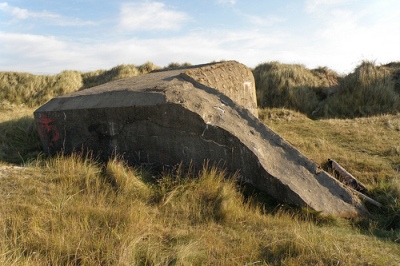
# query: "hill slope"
322, 93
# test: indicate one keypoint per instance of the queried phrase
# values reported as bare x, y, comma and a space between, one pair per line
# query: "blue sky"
49, 36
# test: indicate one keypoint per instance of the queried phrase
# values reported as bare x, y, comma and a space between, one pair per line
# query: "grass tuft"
126, 180
387, 192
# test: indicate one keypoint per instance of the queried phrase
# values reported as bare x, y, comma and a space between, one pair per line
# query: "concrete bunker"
189, 115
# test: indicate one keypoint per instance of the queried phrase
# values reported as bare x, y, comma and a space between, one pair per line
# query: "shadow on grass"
274, 207
19, 140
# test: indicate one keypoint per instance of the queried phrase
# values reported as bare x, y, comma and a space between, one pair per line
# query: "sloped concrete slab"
191, 115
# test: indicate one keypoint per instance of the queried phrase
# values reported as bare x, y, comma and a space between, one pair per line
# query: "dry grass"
368, 147
173, 65
72, 211
33, 90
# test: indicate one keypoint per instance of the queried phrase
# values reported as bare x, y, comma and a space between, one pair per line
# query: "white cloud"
43, 54
348, 35
47, 54
142, 16
56, 19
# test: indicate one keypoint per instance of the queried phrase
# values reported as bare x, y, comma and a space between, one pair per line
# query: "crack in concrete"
210, 140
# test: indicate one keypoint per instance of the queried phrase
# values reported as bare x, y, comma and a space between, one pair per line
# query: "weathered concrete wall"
234, 80
169, 117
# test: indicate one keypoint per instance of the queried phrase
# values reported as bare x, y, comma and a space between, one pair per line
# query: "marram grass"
33, 90
321, 93
369, 90
292, 86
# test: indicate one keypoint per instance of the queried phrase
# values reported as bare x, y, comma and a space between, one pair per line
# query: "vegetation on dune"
318, 93
73, 210
292, 86
369, 90
173, 65
322, 93
99, 77
33, 90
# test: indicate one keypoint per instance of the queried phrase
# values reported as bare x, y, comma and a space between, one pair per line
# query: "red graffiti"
46, 130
